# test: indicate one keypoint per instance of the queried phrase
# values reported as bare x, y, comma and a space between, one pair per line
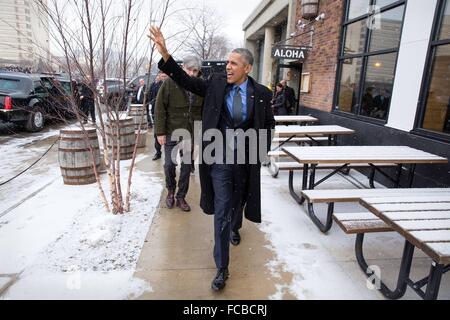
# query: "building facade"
24, 35
381, 67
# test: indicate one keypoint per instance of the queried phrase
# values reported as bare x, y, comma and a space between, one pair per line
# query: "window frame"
365, 57
433, 44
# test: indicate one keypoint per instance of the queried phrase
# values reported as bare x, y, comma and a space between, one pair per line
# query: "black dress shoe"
235, 238
219, 280
183, 205
170, 200
157, 156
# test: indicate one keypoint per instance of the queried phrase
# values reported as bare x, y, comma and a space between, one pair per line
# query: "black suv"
31, 99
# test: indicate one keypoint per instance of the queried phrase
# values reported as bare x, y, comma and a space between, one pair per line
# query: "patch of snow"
4, 281
76, 285
300, 249
64, 232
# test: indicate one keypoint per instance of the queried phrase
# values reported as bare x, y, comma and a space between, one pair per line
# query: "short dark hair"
246, 54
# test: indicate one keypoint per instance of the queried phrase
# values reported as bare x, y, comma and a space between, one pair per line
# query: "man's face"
162, 77
237, 69
141, 82
192, 71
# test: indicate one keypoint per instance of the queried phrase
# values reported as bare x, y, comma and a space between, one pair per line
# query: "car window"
47, 83
113, 82
66, 87
39, 88
11, 84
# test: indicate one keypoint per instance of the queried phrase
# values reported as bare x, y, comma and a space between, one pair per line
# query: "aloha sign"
286, 52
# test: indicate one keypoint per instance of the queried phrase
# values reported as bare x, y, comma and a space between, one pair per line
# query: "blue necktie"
237, 107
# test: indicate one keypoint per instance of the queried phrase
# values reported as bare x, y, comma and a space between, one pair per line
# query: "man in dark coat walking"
232, 101
87, 101
153, 93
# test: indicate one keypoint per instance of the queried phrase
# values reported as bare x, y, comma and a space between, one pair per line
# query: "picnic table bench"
424, 222
346, 156
360, 221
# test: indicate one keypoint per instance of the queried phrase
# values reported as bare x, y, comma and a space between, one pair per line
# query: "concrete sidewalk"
177, 257
285, 257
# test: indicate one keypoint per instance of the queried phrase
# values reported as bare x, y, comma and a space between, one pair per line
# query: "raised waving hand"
158, 39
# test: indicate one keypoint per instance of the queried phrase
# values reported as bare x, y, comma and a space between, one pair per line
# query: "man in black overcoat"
87, 100
232, 101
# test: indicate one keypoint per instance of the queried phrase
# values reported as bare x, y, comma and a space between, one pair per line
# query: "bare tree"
91, 35
206, 39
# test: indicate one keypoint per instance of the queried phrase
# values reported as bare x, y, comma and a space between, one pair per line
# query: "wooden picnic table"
424, 222
311, 132
295, 119
375, 156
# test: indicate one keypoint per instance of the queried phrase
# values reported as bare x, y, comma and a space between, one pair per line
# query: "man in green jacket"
177, 108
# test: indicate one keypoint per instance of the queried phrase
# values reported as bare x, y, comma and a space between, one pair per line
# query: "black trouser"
280, 111
88, 107
229, 181
157, 145
171, 149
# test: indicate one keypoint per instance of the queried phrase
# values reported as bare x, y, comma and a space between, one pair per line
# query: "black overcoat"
213, 89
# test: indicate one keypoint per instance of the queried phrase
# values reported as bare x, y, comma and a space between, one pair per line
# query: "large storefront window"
371, 39
436, 111
349, 84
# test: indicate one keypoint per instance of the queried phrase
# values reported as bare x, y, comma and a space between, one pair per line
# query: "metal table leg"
405, 269
299, 199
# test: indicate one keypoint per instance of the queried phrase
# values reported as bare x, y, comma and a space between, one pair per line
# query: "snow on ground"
68, 247
4, 281
324, 266
24, 139
302, 250
17, 154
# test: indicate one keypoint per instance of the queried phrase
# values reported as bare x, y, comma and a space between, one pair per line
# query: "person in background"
381, 105
87, 101
279, 101
140, 93
170, 115
290, 98
153, 93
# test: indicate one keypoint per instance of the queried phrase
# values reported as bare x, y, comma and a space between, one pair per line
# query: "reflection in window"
368, 60
378, 86
383, 3
388, 27
355, 36
445, 27
349, 85
357, 8
437, 112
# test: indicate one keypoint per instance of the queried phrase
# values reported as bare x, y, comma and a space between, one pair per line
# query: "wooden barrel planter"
74, 155
127, 138
139, 115
142, 138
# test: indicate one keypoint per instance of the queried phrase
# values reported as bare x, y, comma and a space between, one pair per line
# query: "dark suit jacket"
142, 97
153, 93
381, 102
86, 92
213, 89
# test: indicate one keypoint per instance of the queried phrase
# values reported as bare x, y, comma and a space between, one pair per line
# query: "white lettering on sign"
289, 53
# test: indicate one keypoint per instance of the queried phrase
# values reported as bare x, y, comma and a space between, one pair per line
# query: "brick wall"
322, 60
